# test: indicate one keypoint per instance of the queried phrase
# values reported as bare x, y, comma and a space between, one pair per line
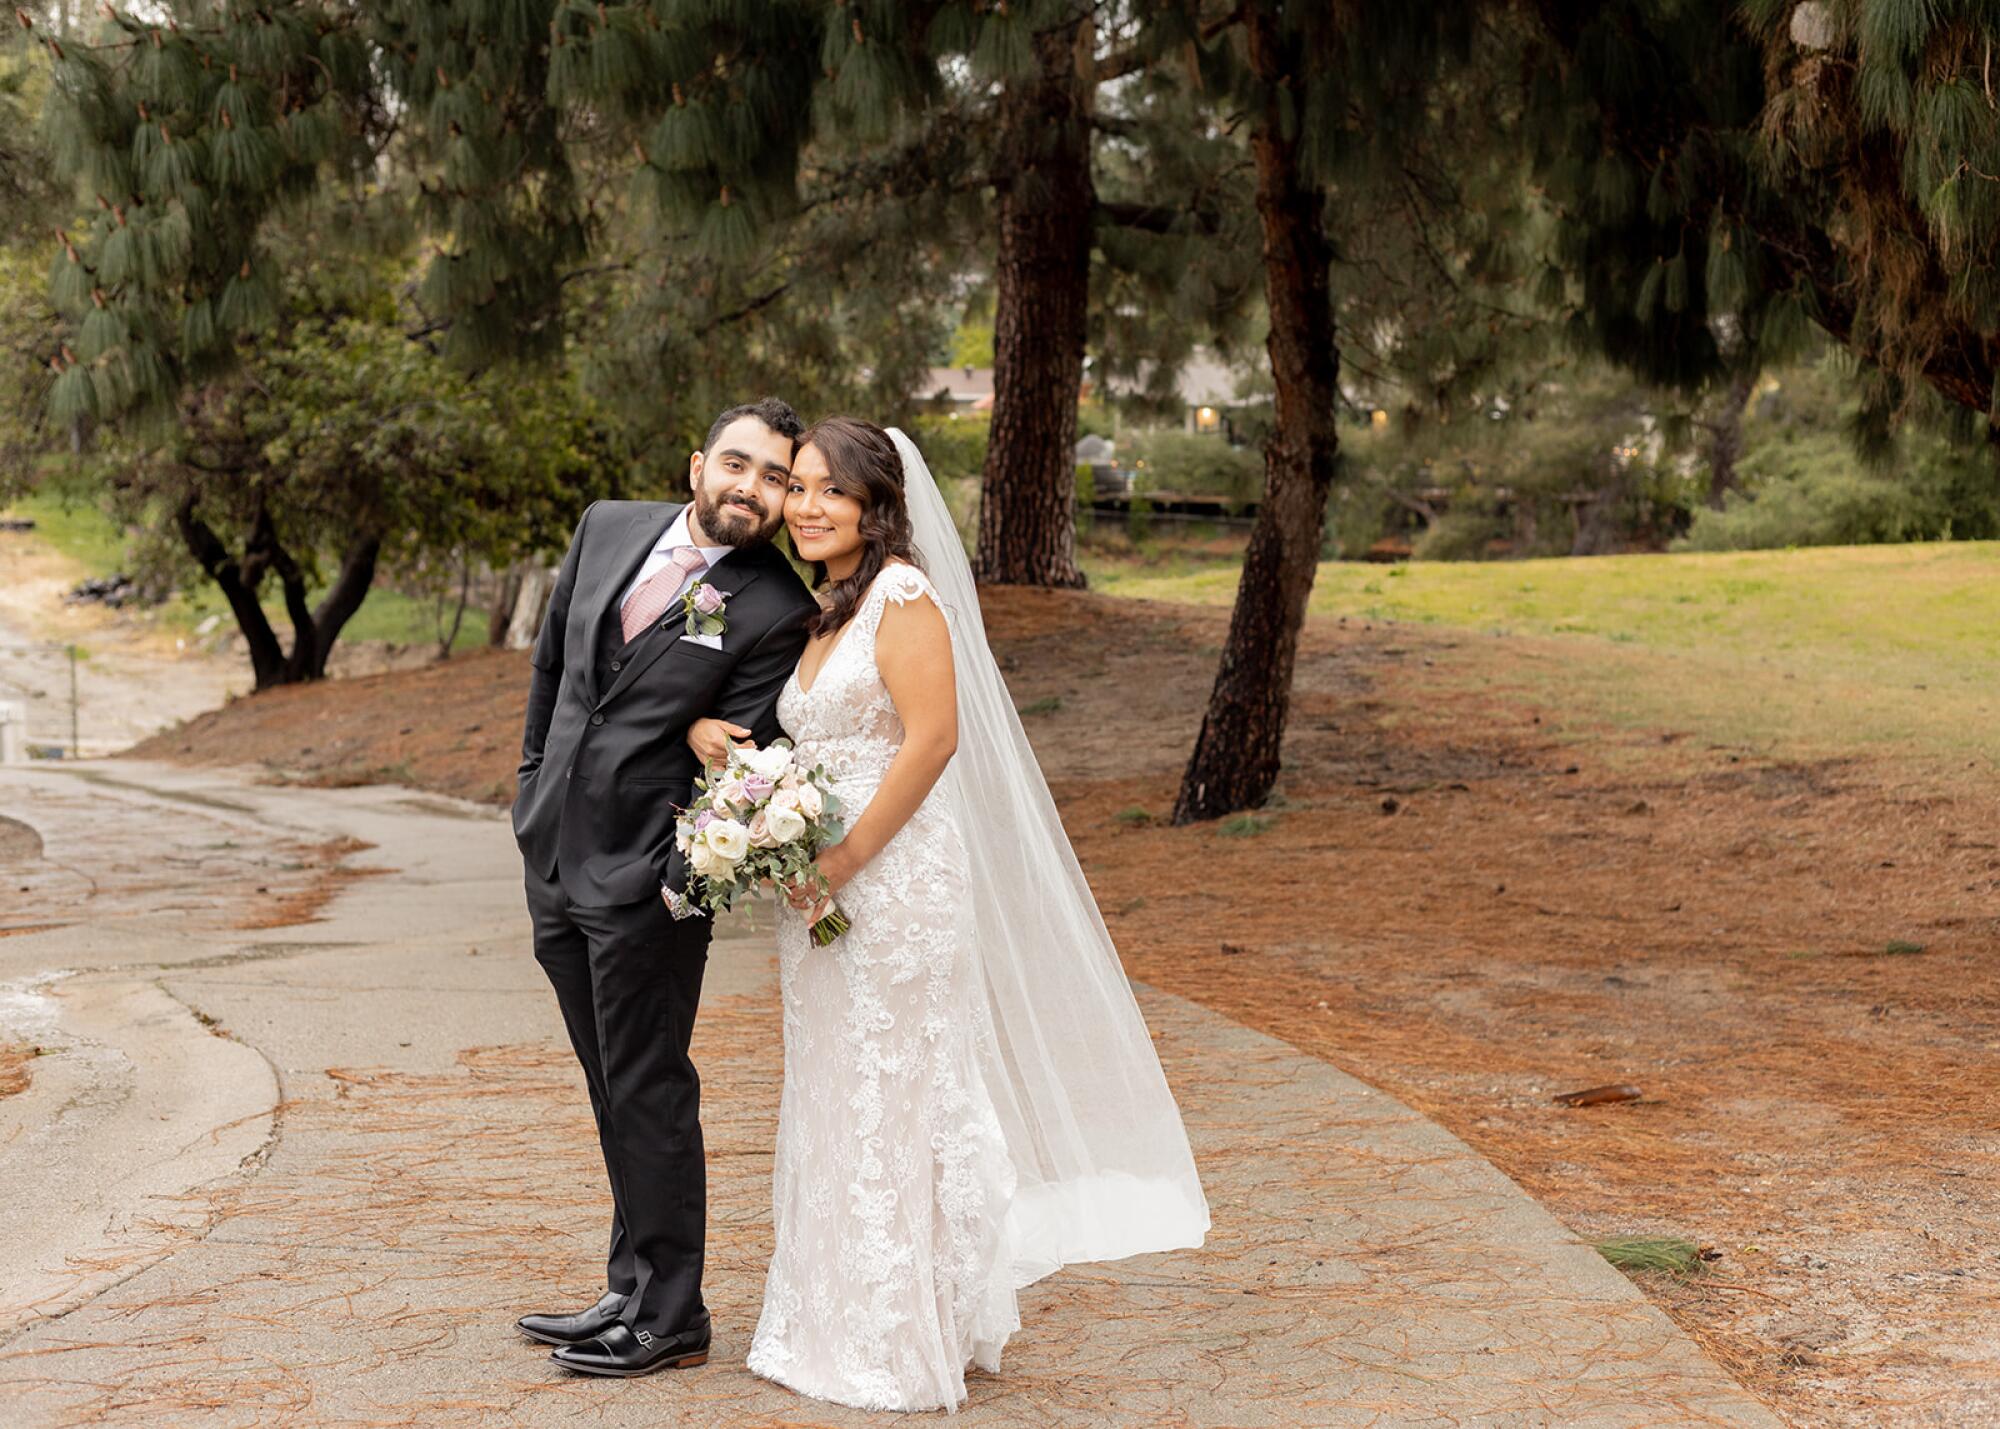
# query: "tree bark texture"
1027, 504
1236, 756
1725, 445
314, 629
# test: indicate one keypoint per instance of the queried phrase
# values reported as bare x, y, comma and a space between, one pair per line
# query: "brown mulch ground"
328, 873
15, 1060
1793, 960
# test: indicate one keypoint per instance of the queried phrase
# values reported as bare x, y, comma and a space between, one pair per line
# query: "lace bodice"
847, 718
890, 1181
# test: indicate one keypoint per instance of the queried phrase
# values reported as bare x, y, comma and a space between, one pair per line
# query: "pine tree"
1021, 82
1729, 172
1327, 90
185, 135
1020, 76
235, 160
191, 131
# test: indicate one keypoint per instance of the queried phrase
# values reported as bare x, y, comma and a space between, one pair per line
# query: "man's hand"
710, 739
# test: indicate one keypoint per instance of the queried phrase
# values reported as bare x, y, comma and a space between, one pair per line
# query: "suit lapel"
732, 575
633, 544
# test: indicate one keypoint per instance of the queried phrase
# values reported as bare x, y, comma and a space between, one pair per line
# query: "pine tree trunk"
1027, 504
1235, 760
1725, 446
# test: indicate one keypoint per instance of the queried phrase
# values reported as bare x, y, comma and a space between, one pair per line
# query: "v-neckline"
840, 639
826, 659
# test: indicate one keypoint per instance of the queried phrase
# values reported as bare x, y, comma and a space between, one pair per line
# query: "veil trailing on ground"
1095, 1136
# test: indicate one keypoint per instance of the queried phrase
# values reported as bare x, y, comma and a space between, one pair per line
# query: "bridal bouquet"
764, 815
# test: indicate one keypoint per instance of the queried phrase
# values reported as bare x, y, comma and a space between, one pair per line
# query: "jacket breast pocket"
686, 649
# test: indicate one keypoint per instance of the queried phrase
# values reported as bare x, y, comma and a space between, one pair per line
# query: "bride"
971, 1098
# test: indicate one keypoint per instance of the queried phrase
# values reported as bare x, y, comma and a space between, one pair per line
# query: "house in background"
1208, 388
957, 389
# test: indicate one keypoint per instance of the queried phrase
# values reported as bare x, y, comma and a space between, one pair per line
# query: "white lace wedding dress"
892, 1179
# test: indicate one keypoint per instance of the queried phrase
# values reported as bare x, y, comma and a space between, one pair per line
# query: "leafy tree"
32, 201
1801, 486
253, 178
342, 448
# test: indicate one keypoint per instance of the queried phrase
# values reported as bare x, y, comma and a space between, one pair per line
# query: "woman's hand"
805, 895
711, 741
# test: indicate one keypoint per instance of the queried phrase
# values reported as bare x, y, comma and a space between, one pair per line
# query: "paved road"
309, 1175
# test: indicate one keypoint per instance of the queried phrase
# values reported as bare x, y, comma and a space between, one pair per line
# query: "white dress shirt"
676, 535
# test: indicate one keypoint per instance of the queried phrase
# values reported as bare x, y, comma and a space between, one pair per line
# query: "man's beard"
734, 522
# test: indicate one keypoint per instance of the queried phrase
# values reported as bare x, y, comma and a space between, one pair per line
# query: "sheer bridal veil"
1096, 1139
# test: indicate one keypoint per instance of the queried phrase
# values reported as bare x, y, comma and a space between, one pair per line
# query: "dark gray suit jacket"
604, 758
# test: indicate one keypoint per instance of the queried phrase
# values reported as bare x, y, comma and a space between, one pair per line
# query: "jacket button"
597, 719
616, 667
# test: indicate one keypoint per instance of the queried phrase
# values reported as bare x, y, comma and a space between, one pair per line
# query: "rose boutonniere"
707, 609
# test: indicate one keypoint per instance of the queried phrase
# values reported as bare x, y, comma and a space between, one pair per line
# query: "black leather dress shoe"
625, 1352
574, 1329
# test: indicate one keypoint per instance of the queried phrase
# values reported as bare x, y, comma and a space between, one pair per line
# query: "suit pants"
628, 980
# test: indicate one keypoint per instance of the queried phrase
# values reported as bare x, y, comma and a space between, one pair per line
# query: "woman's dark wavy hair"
865, 462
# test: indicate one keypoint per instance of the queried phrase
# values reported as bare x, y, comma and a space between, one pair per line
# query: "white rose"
785, 824
809, 801
707, 862
771, 763
760, 830
729, 839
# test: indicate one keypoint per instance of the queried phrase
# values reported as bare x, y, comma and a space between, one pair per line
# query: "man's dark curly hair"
773, 413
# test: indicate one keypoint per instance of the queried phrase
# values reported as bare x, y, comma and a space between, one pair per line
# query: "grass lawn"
83, 533
1826, 647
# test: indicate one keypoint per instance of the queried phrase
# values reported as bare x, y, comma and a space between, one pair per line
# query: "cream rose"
705, 861
784, 824
760, 830
729, 839
810, 803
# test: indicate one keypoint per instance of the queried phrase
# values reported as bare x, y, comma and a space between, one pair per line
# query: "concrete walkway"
309, 1175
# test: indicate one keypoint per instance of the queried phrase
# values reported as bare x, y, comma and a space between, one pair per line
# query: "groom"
604, 766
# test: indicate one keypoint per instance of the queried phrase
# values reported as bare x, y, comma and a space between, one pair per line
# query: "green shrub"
1810, 489
1196, 463
1461, 534
953, 444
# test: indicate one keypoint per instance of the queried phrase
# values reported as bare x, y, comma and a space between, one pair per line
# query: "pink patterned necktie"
646, 604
